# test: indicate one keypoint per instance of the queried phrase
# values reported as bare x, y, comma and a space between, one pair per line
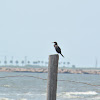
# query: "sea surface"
31, 86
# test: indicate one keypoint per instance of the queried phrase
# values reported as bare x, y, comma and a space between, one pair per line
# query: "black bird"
57, 48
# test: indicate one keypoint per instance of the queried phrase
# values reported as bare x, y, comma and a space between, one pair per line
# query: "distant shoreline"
45, 70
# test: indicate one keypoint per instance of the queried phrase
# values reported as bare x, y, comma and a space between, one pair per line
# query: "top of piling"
54, 55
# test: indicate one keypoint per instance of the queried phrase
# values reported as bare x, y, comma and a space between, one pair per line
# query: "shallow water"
26, 87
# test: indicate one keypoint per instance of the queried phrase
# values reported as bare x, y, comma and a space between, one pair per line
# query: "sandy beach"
45, 70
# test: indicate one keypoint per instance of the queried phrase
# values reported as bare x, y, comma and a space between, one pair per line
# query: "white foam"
64, 95
6, 85
82, 93
12, 99
76, 94
96, 98
4, 99
22, 99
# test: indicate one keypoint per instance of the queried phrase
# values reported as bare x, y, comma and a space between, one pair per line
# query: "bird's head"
55, 43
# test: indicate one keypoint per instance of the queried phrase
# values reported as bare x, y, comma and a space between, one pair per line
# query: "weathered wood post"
52, 77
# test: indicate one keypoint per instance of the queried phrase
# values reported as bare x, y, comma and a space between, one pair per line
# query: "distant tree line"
26, 62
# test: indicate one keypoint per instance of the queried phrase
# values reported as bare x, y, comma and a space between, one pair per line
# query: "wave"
5, 85
11, 99
63, 95
5, 99
76, 94
82, 93
22, 99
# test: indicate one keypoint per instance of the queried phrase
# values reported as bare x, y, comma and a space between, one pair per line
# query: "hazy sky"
27, 28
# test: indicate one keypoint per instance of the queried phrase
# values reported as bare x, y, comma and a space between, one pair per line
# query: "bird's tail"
62, 55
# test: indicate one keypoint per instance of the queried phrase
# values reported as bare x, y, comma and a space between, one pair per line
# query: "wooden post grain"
52, 77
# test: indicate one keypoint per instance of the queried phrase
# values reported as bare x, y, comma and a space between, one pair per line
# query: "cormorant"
57, 48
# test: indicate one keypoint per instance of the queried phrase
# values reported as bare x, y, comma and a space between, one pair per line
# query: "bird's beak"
52, 42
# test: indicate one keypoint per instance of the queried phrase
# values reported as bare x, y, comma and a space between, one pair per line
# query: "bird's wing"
58, 49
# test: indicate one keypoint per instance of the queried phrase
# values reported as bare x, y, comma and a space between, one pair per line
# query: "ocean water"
25, 86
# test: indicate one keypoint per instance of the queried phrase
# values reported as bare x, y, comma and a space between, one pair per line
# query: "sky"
28, 28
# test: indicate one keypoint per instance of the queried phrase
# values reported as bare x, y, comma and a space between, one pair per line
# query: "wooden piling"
52, 77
